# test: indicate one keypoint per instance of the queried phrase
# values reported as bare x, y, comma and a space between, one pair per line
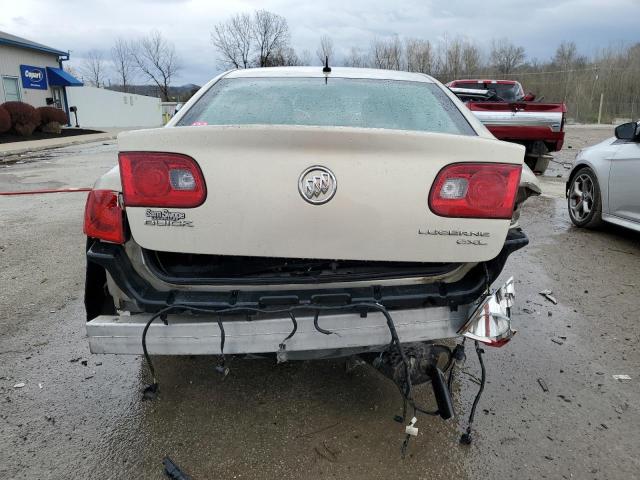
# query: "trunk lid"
379, 211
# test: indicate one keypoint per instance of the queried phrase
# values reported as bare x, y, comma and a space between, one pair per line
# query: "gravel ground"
81, 415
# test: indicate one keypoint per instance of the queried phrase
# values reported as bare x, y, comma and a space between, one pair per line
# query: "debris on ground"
548, 294
39, 385
74, 360
173, 471
323, 429
621, 377
326, 453
559, 342
543, 385
19, 385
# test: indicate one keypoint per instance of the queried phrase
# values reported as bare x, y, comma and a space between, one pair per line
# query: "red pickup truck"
511, 115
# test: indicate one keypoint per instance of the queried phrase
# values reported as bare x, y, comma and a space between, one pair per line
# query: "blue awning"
58, 77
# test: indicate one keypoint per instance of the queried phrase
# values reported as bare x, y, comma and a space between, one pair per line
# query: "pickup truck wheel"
537, 163
584, 200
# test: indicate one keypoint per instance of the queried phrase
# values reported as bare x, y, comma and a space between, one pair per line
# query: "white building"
32, 73
100, 108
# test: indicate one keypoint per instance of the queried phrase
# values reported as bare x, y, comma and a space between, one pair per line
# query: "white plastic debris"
622, 377
19, 385
548, 295
39, 385
411, 429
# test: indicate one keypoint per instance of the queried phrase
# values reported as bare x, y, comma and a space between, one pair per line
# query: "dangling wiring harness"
404, 383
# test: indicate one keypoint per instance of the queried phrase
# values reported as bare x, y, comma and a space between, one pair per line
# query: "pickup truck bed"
516, 117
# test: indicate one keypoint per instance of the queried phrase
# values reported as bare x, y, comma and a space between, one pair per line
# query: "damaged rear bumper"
421, 312
487, 321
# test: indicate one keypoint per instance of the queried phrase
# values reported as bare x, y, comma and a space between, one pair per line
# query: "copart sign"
33, 77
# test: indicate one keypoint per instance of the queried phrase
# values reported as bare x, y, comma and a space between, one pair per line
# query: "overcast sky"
82, 25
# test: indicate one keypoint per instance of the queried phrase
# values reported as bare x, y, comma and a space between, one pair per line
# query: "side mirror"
627, 131
529, 97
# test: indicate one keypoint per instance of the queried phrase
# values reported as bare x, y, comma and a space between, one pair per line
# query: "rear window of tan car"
340, 102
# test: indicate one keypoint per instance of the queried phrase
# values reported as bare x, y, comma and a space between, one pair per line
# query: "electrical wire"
316, 317
222, 337
407, 393
295, 327
48, 190
466, 437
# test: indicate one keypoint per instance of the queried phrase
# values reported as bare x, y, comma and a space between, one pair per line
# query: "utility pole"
600, 108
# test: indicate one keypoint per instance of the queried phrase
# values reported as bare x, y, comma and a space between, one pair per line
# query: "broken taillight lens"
103, 217
490, 322
475, 190
156, 179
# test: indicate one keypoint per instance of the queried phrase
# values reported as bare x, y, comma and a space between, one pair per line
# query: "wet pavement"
81, 415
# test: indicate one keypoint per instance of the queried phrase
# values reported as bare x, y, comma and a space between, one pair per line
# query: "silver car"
603, 185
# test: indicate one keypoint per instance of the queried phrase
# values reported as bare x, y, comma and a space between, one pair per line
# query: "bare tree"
356, 58
325, 50
284, 57
123, 63
420, 55
387, 54
234, 40
271, 34
305, 57
506, 56
157, 59
93, 68
72, 70
471, 59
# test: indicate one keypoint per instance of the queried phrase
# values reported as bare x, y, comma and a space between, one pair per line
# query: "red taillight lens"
103, 217
151, 179
475, 190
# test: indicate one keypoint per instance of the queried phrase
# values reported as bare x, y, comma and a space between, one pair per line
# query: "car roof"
336, 72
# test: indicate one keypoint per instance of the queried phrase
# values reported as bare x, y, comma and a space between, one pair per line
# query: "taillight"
490, 322
475, 190
152, 179
103, 216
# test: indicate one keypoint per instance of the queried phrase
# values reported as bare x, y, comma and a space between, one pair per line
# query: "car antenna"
326, 69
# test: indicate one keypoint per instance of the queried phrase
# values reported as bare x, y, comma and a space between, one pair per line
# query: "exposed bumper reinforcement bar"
200, 335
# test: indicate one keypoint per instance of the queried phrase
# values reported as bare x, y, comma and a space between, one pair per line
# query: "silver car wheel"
581, 197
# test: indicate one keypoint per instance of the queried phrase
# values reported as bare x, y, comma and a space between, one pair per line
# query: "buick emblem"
317, 185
